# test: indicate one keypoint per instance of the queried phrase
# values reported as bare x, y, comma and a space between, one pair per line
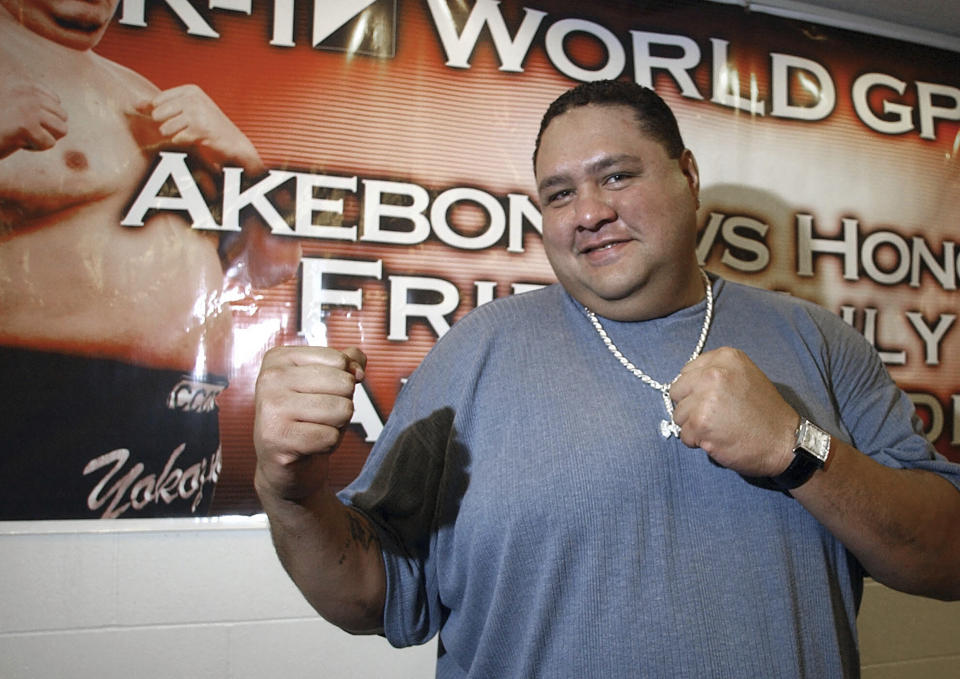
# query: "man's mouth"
79, 25
601, 247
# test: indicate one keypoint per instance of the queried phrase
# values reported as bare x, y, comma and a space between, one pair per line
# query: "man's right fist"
304, 399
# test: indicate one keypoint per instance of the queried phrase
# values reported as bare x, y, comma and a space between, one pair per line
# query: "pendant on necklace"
668, 429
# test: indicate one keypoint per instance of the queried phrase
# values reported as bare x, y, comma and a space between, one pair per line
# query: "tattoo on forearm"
360, 534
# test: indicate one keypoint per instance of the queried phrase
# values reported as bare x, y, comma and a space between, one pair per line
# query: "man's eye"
558, 196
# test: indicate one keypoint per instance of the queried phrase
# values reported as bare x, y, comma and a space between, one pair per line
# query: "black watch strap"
797, 473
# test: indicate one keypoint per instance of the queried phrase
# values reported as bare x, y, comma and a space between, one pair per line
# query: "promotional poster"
185, 184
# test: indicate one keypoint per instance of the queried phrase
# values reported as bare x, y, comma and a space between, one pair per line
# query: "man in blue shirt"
642, 471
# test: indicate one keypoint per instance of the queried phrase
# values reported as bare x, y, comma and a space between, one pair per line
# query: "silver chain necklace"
668, 428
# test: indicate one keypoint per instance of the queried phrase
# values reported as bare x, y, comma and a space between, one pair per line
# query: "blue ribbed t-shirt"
531, 514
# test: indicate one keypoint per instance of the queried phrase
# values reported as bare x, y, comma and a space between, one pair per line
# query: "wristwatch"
810, 453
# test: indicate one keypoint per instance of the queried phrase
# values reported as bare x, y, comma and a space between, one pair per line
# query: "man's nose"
594, 210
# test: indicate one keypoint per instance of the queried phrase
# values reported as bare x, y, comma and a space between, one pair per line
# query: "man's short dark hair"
653, 115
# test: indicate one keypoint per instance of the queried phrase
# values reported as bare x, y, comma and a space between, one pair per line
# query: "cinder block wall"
908, 637
156, 599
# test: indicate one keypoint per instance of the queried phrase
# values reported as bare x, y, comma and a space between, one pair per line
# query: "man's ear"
688, 165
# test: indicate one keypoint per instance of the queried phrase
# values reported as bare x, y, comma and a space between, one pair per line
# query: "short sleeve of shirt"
880, 418
410, 485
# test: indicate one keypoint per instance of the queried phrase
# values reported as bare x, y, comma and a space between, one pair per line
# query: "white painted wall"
207, 599
178, 598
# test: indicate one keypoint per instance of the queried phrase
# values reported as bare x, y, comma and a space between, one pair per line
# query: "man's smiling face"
619, 215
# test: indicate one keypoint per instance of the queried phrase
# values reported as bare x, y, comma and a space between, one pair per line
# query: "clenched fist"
186, 116
304, 399
729, 408
31, 116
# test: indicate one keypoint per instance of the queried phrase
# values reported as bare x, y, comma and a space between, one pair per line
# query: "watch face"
814, 440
